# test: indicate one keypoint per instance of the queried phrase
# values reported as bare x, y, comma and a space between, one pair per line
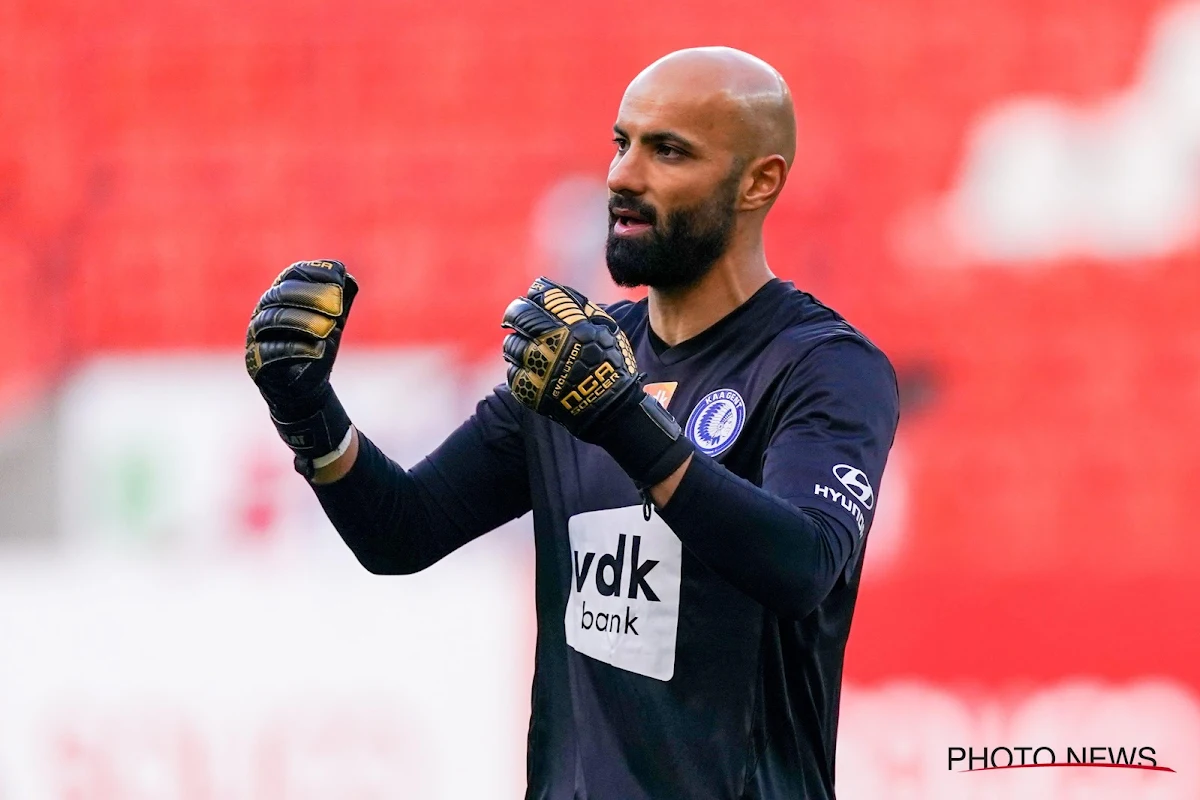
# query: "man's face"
673, 189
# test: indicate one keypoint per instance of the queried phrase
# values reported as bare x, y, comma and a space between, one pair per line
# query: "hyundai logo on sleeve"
856, 481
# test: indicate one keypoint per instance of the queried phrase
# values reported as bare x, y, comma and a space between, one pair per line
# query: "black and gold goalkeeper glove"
571, 362
291, 344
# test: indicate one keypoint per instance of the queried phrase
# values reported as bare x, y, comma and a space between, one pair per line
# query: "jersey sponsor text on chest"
623, 607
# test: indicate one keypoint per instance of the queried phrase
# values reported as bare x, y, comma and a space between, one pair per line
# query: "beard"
680, 252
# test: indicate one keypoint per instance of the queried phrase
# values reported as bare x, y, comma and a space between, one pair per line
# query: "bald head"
744, 94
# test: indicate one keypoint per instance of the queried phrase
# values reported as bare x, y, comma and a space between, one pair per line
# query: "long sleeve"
786, 543
398, 522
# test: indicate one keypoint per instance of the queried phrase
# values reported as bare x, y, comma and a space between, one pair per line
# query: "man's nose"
626, 175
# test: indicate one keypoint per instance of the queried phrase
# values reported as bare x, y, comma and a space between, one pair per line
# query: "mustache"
644, 210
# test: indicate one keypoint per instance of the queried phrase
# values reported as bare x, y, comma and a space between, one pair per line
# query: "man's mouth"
627, 222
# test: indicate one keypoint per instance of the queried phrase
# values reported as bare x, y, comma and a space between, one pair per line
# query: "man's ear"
766, 177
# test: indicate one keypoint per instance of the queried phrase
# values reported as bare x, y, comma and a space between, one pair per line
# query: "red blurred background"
160, 163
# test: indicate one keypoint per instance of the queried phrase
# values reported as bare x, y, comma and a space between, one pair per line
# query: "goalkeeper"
702, 466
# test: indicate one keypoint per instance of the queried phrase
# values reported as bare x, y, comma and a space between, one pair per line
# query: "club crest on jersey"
716, 421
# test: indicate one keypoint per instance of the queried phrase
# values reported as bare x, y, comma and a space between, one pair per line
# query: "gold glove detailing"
280, 318
325, 298
626, 352
563, 306
534, 359
254, 360
524, 390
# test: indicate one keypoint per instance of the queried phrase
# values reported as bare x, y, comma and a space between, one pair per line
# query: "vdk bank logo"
623, 608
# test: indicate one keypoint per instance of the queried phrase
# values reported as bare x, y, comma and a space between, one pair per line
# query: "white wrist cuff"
329, 458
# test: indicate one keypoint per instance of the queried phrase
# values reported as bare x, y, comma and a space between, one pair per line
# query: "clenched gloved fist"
291, 345
570, 361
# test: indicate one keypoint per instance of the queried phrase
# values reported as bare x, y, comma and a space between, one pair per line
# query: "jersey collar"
748, 316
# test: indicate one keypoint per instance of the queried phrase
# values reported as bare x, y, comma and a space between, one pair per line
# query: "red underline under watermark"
1072, 764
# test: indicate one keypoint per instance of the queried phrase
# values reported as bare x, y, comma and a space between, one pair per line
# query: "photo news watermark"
971, 759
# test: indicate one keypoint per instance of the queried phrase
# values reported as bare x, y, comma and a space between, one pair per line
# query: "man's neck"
678, 315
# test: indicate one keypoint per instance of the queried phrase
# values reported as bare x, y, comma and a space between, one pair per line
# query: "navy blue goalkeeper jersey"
697, 653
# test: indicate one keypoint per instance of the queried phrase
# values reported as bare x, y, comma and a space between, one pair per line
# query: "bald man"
695, 581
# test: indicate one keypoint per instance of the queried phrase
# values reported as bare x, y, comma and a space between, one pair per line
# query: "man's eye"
667, 151
621, 144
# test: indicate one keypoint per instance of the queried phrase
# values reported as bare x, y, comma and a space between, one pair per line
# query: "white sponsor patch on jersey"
623, 607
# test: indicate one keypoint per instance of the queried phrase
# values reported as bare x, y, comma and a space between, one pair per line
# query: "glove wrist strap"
326, 460
319, 434
644, 440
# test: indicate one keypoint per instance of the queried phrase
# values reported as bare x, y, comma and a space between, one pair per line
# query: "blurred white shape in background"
570, 227
176, 454
1043, 179
890, 536
146, 681
201, 631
